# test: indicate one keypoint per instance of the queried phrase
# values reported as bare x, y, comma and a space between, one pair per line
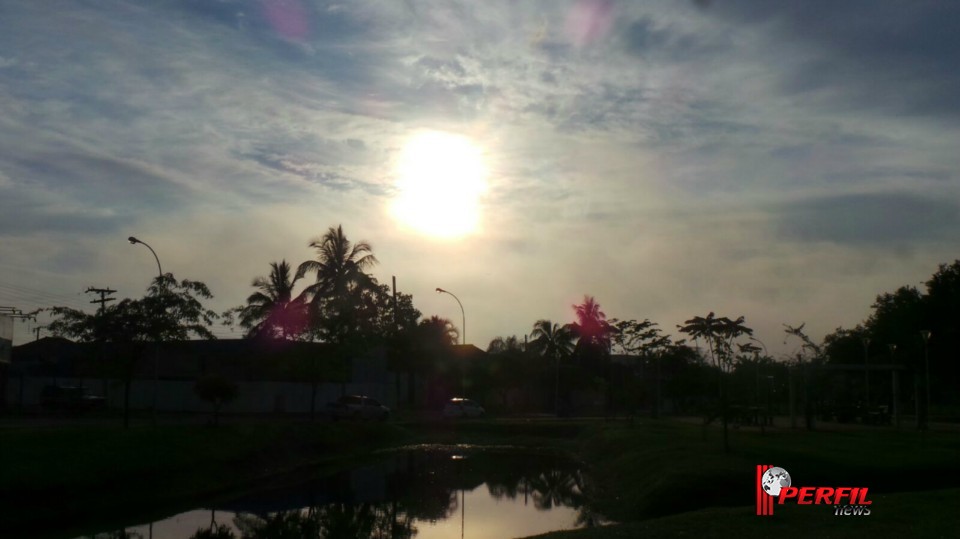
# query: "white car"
460, 407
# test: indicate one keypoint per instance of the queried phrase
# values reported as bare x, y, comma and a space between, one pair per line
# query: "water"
423, 493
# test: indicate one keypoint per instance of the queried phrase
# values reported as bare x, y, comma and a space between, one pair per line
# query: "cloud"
869, 219
892, 58
777, 160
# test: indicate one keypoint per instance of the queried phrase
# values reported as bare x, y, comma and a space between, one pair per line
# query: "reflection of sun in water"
440, 177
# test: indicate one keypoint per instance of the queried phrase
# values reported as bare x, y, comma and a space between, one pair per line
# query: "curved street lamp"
134, 241
462, 313
925, 335
156, 352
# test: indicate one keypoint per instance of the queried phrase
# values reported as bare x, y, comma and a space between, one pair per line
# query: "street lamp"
757, 368
462, 313
156, 351
925, 334
134, 241
866, 367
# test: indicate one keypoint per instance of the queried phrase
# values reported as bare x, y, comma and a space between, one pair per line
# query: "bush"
216, 390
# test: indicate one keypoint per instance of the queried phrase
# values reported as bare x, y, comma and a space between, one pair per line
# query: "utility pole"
396, 323
104, 292
37, 331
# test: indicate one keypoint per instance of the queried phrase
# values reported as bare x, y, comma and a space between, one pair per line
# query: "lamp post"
462, 313
464, 332
866, 369
156, 351
925, 334
134, 241
896, 385
757, 366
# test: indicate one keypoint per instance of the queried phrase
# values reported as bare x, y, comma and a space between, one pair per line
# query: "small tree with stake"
216, 390
720, 334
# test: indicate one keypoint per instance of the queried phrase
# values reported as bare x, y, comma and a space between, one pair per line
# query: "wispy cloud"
781, 160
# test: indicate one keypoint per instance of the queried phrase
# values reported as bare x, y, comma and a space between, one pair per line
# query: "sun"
440, 178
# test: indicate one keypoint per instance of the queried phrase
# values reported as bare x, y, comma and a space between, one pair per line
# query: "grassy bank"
652, 469
663, 479
644, 473
76, 474
928, 514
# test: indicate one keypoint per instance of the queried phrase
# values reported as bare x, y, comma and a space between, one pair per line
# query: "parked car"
69, 398
357, 407
460, 407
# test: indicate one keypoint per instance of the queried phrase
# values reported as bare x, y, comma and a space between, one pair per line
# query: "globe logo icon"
774, 479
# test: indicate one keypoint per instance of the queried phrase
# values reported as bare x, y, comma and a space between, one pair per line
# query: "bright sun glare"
440, 177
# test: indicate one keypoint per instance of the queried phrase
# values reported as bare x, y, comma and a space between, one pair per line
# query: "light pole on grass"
134, 241
866, 368
925, 334
462, 313
463, 331
156, 352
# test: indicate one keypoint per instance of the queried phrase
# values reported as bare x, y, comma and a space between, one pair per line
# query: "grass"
662, 479
912, 514
77, 473
654, 468
656, 478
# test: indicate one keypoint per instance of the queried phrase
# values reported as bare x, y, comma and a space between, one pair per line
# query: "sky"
785, 161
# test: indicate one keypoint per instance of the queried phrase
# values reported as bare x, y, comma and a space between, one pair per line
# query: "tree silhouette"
272, 311
337, 295
436, 332
593, 344
555, 342
719, 334
591, 327
170, 311
645, 340
500, 345
216, 390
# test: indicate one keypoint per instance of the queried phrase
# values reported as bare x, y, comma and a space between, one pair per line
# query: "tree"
273, 311
555, 342
719, 334
216, 390
591, 328
500, 345
435, 333
337, 297
170, 311
643, 339
593, 343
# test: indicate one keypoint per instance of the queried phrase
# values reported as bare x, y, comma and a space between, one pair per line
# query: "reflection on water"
424, 494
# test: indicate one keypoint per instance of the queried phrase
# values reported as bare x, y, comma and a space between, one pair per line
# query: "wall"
178, 395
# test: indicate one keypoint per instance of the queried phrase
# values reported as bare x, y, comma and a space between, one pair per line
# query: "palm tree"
593, 342
272, 311
591, 327
555, 342
341, 282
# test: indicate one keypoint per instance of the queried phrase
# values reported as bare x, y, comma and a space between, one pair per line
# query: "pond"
423, 493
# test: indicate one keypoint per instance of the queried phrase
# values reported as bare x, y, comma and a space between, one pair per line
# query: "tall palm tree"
272, 311
552, 340
593, 342
591, 327
555, 342
341, 281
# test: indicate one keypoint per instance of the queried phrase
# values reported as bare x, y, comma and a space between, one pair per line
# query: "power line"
38, 296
